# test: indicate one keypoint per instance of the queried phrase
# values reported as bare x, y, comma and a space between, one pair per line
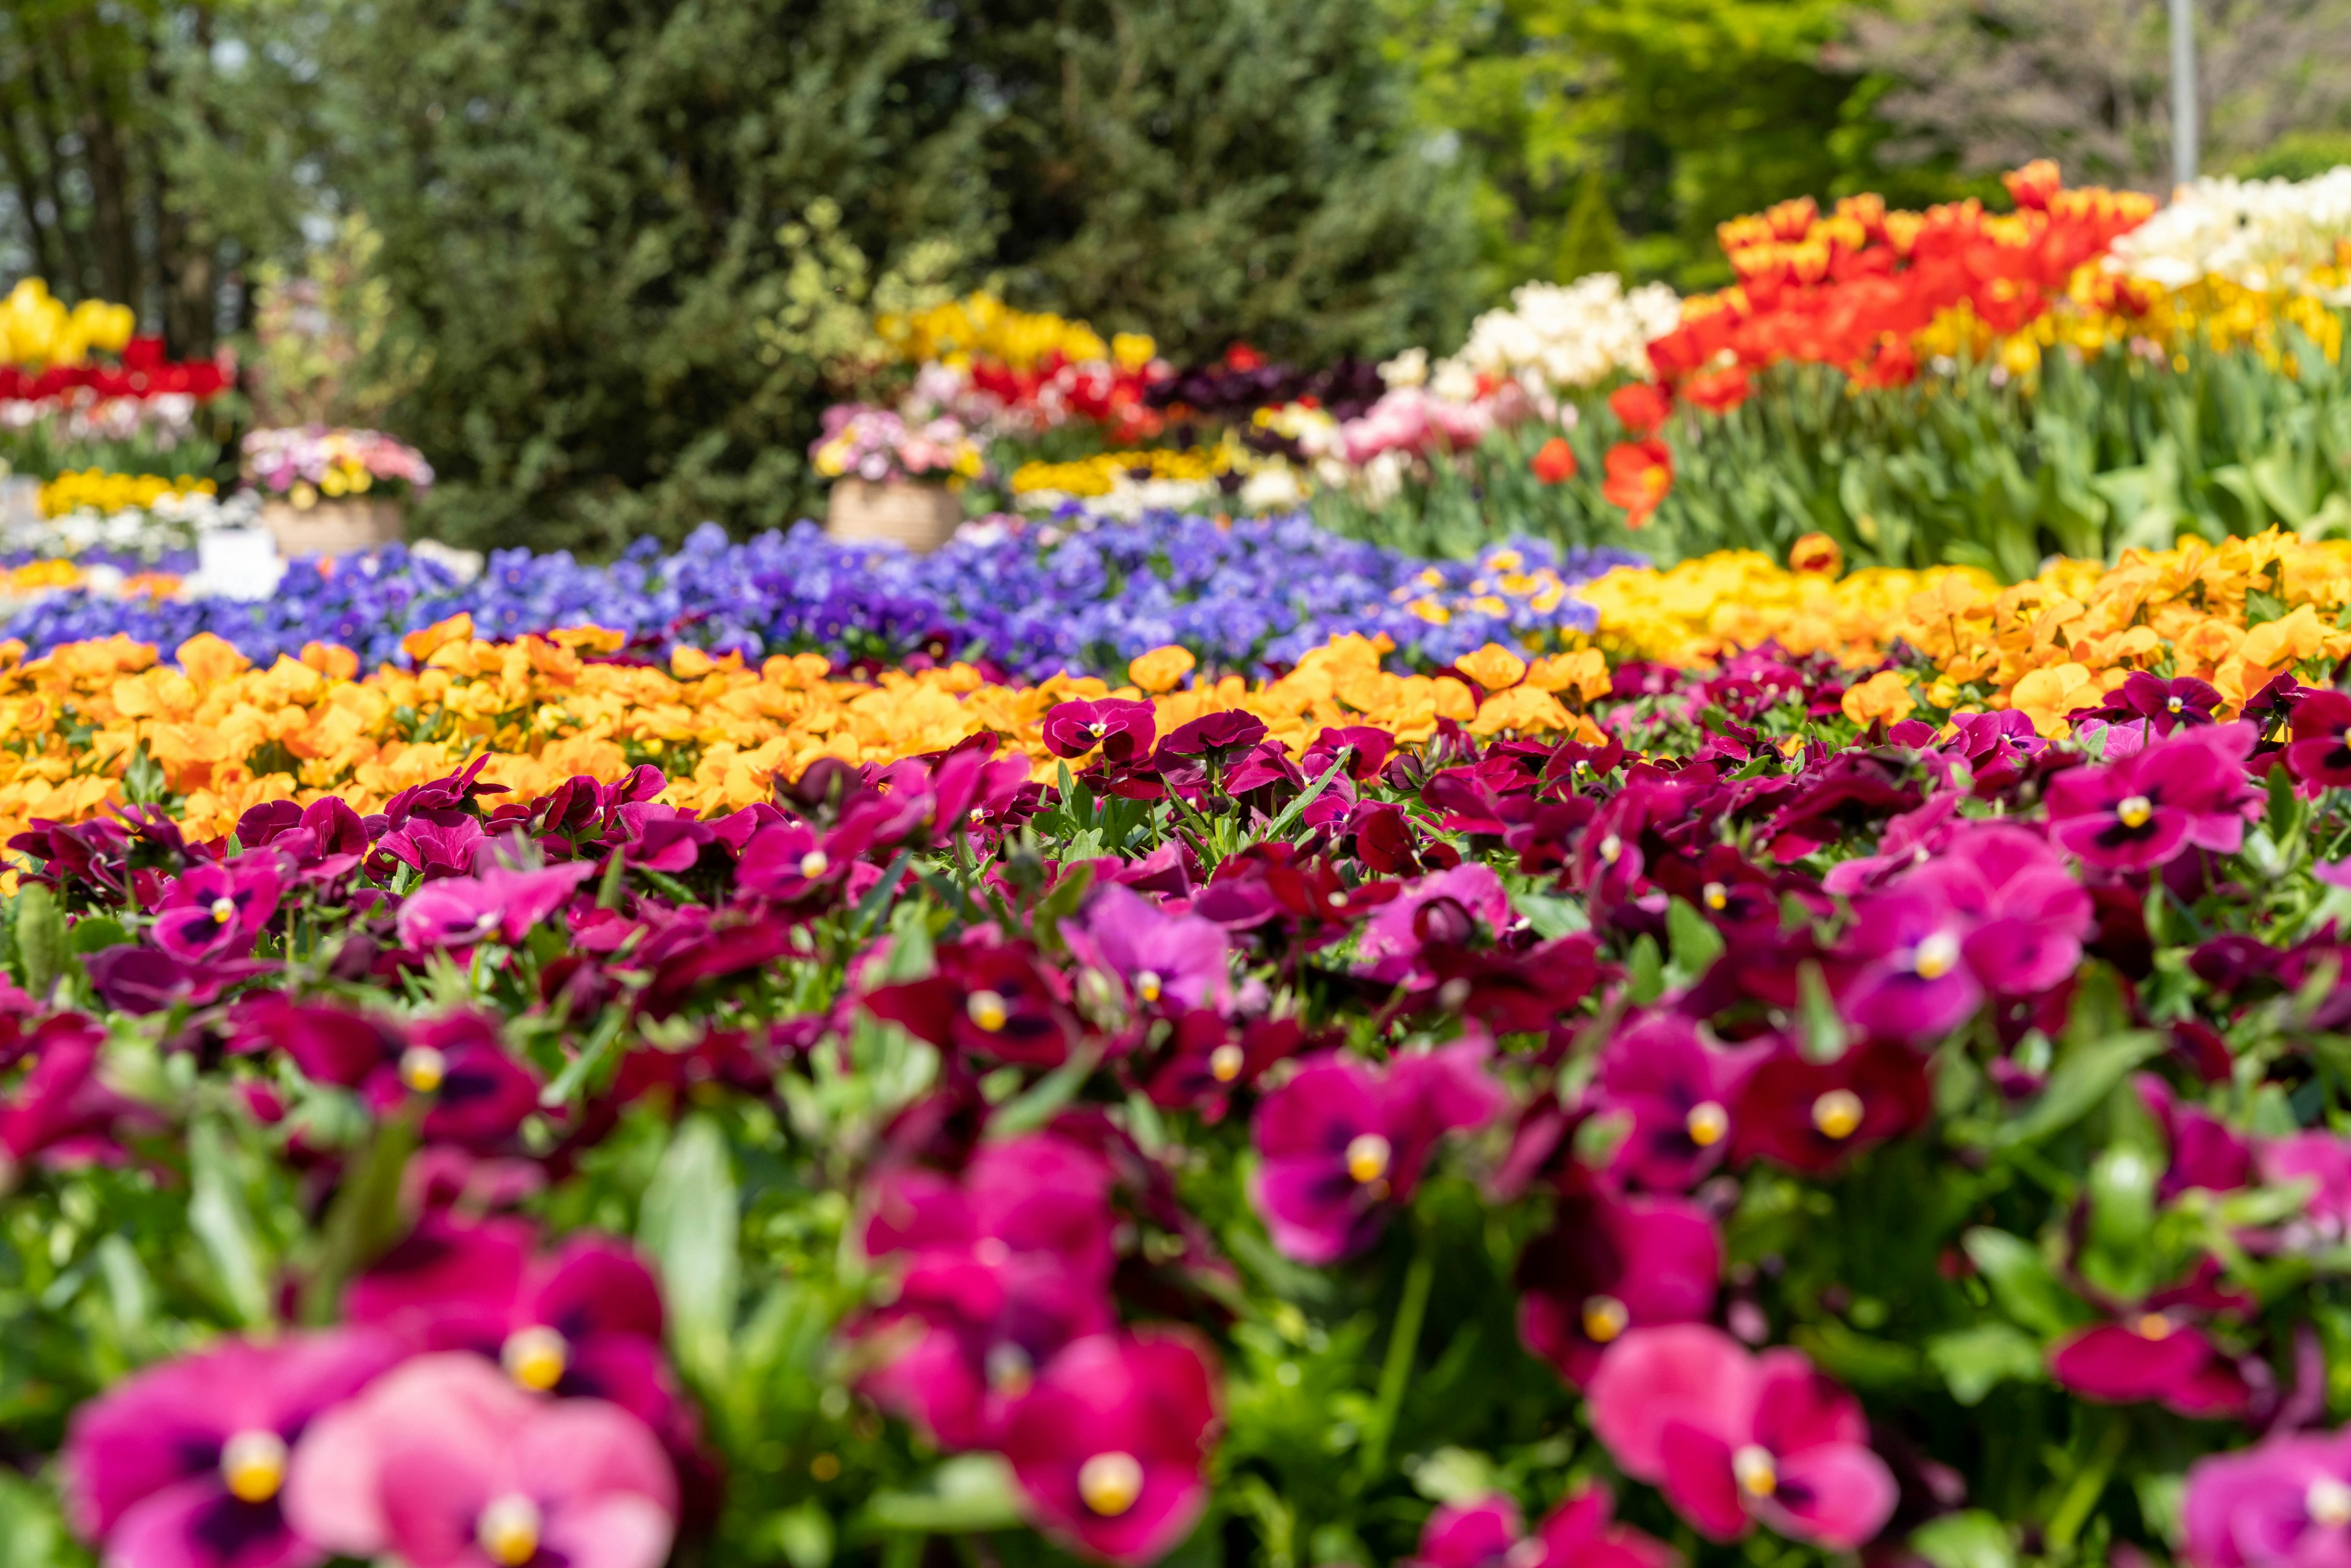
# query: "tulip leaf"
1974, 1361
224, 1225
688, 1222
1968, 1539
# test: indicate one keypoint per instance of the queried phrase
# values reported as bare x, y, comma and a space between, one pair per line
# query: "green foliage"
638, 240
2086, 458
1208, 169
1591, 241
1691, 110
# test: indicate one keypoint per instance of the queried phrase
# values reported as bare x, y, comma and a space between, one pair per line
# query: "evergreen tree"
1591, 241
1208, 169
634, 239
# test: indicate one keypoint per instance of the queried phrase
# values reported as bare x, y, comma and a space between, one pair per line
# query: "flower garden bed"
1741, 1063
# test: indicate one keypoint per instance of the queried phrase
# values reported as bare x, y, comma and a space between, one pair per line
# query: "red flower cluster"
1850, 289
1055, 392
143, 373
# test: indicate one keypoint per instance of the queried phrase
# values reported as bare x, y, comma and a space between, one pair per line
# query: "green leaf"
2084, 1075
96, 933
969, 1494
1551, 917
364, 1221
1969, 1538
1645, 971
2022, 1282
40, 938
1695, 943
806, 1534
32, 1535
1046, 1097
688, 1222
1974, 1361
224, 1226
1822, 1029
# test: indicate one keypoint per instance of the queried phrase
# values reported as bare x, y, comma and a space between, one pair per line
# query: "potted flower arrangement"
896, 480
329, 492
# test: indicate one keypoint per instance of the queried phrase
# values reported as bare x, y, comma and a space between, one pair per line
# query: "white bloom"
1566, 336
2258, 234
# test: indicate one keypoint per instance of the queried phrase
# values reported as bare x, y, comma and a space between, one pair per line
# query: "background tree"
1992, 83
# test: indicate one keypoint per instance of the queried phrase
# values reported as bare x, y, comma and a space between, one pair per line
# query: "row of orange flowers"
227, 736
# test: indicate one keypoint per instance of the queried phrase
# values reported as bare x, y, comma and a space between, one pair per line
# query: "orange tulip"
1639, 474
1642, 405
1555, 463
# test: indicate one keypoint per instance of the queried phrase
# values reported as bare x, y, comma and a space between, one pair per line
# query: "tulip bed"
1833, 1065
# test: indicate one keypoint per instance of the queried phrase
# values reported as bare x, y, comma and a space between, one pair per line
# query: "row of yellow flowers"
227, 735
102, 491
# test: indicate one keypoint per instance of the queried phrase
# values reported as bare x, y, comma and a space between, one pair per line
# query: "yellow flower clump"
982, 327
1099, 475
2068, 637
1694, 614
228, 736
36, 330
96, 488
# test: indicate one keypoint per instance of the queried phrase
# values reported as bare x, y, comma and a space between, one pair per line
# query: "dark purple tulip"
1111, 1447
1609, 1264
2187, 791
183, 1464
1123, 729
1342, 1144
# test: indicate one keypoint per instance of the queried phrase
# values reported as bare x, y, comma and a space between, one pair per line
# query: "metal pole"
2183, 91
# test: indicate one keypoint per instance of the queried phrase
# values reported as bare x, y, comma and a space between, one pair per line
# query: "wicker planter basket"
897, 511
332, 528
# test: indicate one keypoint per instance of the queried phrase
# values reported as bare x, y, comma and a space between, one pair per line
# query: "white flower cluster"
175, 522
2268, 235
1567, 336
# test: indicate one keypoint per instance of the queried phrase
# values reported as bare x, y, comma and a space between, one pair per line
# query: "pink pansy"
996, 1274
2324, 1160
2157, 1350
1391, 942
2187, 791
457, 912
1111, 1447
1733, 1437
215, 911
1342, 1144
2285, 1504
183, 1464
1176, 960
1578, 1534
445, 1463
1675, 1092
583, 1320
1610, 1264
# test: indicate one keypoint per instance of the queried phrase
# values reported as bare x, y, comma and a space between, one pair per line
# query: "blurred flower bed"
1669, 1101
1028, 600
